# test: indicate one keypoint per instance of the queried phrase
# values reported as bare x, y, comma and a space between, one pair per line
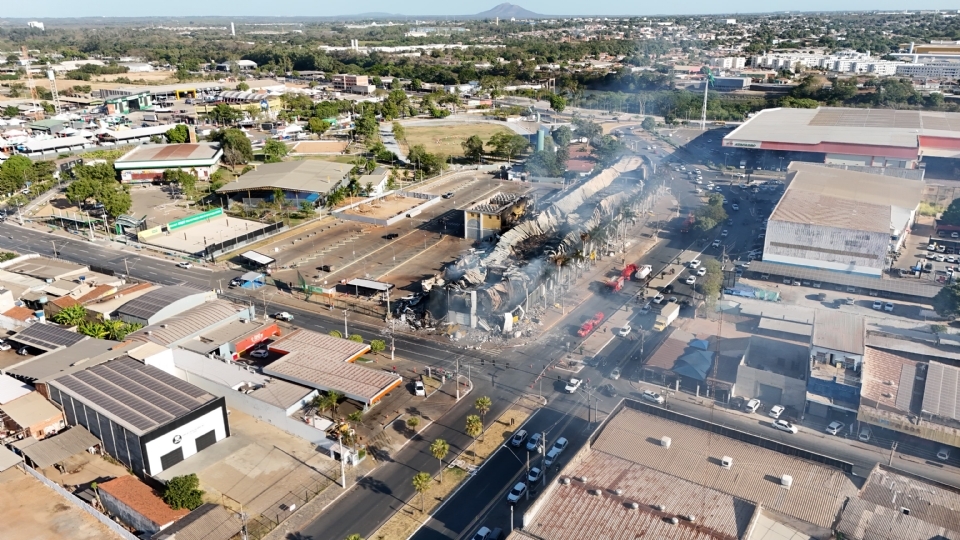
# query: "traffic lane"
387, 489
460, 516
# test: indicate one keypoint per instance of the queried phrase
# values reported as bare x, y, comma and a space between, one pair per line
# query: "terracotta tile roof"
19, 313
96, 293
140, 497
580, 165
64, 302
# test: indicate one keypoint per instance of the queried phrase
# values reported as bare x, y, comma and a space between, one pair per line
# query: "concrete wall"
829, 248
128, 515
749, 379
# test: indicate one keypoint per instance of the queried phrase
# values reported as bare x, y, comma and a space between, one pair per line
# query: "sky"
312, 8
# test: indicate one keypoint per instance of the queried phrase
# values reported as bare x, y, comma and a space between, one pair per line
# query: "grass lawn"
446, 139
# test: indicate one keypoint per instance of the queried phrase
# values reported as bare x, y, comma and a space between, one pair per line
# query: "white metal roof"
258, 258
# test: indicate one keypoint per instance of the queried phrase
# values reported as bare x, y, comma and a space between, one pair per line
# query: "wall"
254, 407
749, 379
126, 514
162, 445
114, 527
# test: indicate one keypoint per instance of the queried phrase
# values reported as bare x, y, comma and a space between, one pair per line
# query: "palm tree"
439, 449
474, 428
421, 483
334, 398
483, 406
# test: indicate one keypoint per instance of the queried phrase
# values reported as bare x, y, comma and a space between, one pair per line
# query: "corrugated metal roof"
187, 323
787, 327
30, 410
208, 522
888, 380
817, 494
839, 331
940, 391
61, 446
149, 304
572, 512
909, 287
310, 176
7, 459
930, 502
322, 361
850, 185
868, 521
809, 208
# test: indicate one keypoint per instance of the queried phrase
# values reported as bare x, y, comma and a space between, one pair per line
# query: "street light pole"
343, 472
345, 333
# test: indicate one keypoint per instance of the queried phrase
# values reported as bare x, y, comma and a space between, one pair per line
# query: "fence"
109, 523
220, 248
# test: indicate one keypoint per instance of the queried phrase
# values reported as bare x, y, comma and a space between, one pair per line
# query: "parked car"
864, 434
534, 476
236, 282
260, 353
518, 438
482, 534
783, 425
834, 427
518, 490
418, 389
888, 306
652, 396
877, 305
776, 411
534, 444
658, 298
944, 453
694, 263
184, 264
752, 405
283, 316
4, 346
690, 280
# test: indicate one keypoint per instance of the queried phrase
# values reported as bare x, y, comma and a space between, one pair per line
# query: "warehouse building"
840, 220
148, 163
218, 328
147, 419
305, 180
848, 136
162, 303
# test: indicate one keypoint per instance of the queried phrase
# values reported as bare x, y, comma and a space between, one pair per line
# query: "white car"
260, 353
699, 181
535, 474
716, 243
877, 305
184, 264
932, 246
517, 492
752, 405
573, 385
776, 411
735, 206
624, 330
888, 306
283, 316
654, 397
723, 233
783, 425
418, 389
834, 427
518, 438
701, 272
694, 263
615, 374
482, 534
944, 453
657, 299
690, 280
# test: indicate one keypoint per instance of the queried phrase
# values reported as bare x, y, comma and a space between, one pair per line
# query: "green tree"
237, 149
335, 333
357, 338
377, 346
354, 537
10, 111
562, 136
399, 133
71, 316
473, 148
439, 449
274, 151
557, 102
317, 125
421, 483
184, 179
711, 283
649, 123
183, 492
15, 173
947, 301
474, 428
711, 214
178, 134
224, 114
586, 128
243, 87
950, 216
413, 422
508, 144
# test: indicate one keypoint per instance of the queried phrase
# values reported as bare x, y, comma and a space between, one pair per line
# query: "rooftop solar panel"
120, 394
138, 391
47, 337
99, 400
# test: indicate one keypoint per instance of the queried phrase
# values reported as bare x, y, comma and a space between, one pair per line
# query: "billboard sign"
196, 218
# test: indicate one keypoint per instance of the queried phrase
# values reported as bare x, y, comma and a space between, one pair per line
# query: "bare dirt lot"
318, 147
386, 207
446, 139
32, 510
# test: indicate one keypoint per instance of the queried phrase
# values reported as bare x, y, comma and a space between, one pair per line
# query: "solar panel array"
141, 396
47, 337
150, 304
877, 118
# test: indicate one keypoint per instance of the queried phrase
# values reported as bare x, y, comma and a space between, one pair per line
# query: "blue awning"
695, 365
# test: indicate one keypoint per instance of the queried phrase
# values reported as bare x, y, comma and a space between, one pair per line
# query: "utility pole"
54, 249
528, 474
456, 378
393, 345
345, 333
343, 472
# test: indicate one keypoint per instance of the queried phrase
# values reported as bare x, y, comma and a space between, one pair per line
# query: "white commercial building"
730, 62
933, 70
841, 220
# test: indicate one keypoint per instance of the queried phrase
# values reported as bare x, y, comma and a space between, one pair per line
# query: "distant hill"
508, 11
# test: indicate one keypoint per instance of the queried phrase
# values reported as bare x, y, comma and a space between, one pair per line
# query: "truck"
642, 272
615, 285
668, 314
688, 223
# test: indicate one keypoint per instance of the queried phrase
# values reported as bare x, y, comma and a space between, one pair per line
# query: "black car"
391, 236
668, 289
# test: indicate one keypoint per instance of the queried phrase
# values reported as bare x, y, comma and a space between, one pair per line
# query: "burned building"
493, 217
